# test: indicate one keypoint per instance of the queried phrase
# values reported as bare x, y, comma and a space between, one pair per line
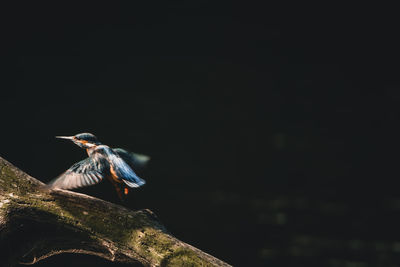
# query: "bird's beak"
65, 137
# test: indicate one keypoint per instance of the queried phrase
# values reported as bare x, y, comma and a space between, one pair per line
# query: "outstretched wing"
122, 170
87, 172
134, 160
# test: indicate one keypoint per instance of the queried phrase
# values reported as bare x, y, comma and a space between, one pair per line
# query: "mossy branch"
37, 223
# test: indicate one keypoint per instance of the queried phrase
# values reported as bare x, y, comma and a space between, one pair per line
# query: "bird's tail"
136, 183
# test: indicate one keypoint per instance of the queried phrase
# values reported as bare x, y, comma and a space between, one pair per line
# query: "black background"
273, 131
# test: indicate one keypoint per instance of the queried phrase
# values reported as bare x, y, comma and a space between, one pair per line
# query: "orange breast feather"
114, 175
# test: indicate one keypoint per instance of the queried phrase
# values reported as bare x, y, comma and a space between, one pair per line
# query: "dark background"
273, 131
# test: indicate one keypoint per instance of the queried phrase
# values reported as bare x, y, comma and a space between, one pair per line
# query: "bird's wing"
87, 172
135, 161
122, 170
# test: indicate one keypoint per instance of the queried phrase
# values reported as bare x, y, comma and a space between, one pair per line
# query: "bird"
103, 162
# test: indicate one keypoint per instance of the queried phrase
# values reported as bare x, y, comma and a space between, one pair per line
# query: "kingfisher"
114, 164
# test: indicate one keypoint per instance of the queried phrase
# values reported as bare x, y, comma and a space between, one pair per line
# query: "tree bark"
36, 223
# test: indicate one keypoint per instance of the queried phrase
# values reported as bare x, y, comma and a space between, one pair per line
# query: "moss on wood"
83, 224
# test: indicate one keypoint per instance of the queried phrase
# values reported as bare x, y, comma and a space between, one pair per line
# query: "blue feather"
123, 171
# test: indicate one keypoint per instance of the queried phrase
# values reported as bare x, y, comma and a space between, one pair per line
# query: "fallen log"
36, 223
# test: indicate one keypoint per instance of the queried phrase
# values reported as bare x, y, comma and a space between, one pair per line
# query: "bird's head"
83, 140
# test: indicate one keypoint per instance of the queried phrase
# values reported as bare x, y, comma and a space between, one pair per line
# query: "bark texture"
36, 223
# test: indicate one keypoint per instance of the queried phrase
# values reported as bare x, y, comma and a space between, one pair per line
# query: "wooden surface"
36, 223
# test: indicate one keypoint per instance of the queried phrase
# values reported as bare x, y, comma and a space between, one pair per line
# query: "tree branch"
37, 223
